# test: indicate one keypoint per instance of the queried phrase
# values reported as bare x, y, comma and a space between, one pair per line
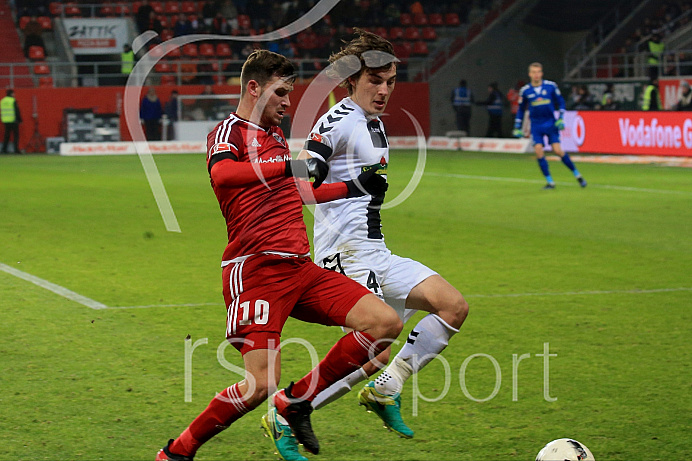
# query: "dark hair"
462, 82
262, 65
365, 41
10, 92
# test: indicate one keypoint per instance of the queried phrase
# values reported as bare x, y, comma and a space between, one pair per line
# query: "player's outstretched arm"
231, 173
367, 183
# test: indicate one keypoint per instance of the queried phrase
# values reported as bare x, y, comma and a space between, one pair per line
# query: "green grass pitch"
602, 275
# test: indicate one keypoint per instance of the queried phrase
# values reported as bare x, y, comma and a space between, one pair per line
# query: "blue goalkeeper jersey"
541, 101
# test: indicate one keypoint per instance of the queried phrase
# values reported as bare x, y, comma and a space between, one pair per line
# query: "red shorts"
262, 291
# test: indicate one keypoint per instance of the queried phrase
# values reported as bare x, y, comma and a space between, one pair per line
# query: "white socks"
427, 339
339, 388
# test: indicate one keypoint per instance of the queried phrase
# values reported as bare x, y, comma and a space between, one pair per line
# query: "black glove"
306, 169
367, 183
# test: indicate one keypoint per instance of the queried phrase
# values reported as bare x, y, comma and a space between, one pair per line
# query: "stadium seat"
189, 7
168, 80
156, 51
452, 20
165, 21
107, 11
135, 6
215, 66
163, 67
173, 53
45, 82
420, 48
406, 19
381, 31
207, 50
37, 53
190, 50
157, 7
436, 20
402, 50
55, 8
244, 21
171, 7
71, 9
223, 50
166, 34
46, 22
396, 33
41, 68
122, 9
23, 21
420, 20
412, 33
428, 34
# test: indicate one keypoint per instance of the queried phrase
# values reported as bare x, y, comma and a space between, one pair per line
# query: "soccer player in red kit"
267, 272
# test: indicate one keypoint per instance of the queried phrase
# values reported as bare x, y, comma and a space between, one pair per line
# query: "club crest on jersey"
279, 138
315, 137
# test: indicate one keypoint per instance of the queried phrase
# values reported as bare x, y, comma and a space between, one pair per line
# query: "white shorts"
386, 275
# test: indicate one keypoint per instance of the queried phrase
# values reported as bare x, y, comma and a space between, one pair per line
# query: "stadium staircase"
607, 34
11, 52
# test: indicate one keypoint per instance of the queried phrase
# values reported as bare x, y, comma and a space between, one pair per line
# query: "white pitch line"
57, 289
166, 305
569, 184
579, 293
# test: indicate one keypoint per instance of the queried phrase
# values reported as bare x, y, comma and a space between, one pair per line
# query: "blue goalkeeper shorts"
540, 130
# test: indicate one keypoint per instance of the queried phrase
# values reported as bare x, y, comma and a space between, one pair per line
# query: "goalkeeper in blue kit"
541, 96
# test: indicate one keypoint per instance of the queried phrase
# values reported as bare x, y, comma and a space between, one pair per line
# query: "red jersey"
260, 216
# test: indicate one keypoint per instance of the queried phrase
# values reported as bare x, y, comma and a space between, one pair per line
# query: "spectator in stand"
307, 40
609, 102
276, 15
33, 35
143, 16
229, 11
416, 7
220, 25
150, 112
584, 100
652, 98
171, 111
209, 11
11, 118
392, 13
182, 26
494, 105
609, 92
241, 5
655, 48
462, 98
153, 23
685, 100
513, 99
127, 63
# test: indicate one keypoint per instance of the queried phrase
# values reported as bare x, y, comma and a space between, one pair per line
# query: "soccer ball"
565, 450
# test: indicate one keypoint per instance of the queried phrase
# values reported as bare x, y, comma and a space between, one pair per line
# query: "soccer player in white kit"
351, 138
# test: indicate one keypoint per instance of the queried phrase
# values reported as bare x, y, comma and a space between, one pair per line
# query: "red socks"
223, 410
346, 356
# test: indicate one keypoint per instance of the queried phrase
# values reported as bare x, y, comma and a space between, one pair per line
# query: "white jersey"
351, 142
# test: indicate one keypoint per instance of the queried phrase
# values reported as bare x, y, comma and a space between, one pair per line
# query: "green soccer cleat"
388, 408
284, 440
